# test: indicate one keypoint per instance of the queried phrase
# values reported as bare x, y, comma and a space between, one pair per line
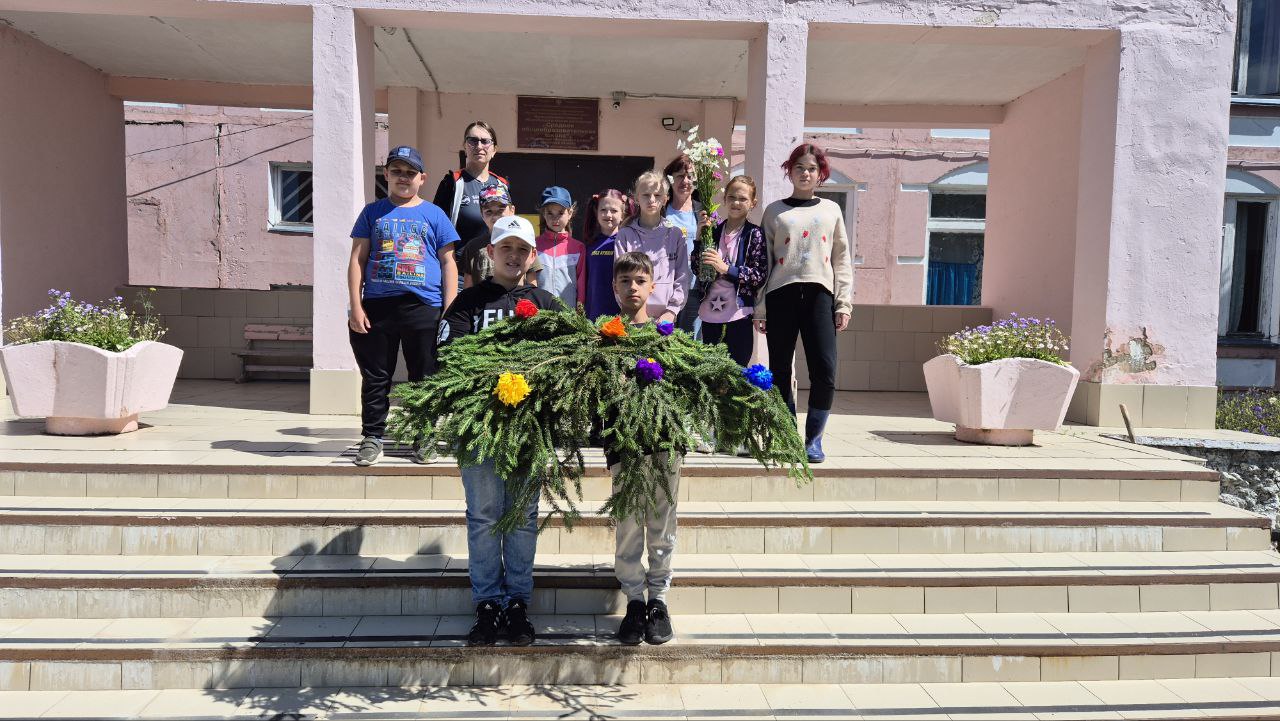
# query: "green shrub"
1253, 411
109, 326
1012, 337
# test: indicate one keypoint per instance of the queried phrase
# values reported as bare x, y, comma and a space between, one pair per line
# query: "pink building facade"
1098, 211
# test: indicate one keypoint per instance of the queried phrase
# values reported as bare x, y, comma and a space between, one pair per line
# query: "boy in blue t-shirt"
401, 274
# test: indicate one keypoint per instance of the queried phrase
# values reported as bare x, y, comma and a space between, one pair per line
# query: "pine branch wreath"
525, 393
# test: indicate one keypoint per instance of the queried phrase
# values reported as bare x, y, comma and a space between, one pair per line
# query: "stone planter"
1002, 402
81, 390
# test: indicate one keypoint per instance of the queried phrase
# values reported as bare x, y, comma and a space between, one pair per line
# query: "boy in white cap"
500, 566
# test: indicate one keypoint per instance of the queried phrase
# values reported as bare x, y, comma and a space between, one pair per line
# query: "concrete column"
717, 121
404, 114
1105, 178
342, 71
776, 77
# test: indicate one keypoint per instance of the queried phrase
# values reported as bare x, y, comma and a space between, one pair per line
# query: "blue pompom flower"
758, 376
665, 327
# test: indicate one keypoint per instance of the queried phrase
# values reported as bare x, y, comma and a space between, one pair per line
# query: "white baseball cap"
513, 226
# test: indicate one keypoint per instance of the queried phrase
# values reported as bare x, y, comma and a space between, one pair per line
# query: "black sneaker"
484, 632
519, 630
657, 627
631, 630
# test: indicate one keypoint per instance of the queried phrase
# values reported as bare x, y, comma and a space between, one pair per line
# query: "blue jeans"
501, 566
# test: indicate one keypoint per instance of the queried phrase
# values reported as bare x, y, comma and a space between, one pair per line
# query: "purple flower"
648, 369
665, 327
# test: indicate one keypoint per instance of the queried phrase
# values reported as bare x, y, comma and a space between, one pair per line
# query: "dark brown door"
581, 175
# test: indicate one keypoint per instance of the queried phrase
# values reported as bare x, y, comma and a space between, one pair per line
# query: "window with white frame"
290, 207
957, 229
1249, 294
1257, 63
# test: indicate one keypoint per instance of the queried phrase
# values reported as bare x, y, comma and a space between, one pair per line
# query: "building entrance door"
581, 175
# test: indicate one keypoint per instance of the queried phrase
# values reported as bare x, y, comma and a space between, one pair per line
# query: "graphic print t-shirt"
404, 247
470, 221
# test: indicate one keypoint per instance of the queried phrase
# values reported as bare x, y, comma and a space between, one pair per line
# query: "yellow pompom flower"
511, 389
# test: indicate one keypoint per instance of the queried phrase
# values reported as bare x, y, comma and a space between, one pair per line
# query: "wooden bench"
280, 349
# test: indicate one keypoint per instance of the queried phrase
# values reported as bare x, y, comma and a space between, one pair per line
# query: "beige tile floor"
1246, 697
219, 423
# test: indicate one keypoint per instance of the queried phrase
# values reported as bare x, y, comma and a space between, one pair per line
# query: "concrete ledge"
335, 392
1150, 405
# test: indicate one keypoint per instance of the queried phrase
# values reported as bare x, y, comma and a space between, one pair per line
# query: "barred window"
291, 208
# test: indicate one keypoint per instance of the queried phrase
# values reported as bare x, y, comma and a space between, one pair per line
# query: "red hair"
819, 156
591, 224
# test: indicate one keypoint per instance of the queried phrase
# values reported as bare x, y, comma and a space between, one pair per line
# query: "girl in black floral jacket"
741, 260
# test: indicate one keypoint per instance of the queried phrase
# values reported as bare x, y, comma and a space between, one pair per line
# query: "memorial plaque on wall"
558, 123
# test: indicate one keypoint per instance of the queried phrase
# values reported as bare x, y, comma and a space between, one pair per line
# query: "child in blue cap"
400, 276
561, 255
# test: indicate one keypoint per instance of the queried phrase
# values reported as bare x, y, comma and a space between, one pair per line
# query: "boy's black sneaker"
657, 627
519, 630
631, 630
484, 632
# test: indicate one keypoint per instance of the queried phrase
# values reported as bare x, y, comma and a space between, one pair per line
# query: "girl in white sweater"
809, 293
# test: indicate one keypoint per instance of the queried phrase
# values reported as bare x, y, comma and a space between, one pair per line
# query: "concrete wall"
885, 346
62, 220
198, 195
208, 323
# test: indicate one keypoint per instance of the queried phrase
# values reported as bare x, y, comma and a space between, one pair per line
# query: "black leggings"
807, 310
395, 321
737, 335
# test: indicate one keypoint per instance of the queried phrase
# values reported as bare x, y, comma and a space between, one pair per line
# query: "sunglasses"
479, 142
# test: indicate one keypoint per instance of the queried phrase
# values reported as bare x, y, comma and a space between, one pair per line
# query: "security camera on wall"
675, 124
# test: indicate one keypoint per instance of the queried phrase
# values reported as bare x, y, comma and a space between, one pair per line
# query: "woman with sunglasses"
459, 191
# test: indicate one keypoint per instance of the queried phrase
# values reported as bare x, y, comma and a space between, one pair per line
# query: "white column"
1145, 296
776, 76
342, 152
404, 115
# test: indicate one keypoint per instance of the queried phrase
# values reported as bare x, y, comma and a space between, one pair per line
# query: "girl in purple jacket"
664, 244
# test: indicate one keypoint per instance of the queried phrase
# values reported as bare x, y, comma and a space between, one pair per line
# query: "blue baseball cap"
559, 196
407, 155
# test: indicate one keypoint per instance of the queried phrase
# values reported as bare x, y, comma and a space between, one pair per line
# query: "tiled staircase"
994, 593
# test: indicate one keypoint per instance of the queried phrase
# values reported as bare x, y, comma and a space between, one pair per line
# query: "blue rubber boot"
814, 424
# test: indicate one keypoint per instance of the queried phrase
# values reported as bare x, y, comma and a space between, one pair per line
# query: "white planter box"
1002, 402
82, 390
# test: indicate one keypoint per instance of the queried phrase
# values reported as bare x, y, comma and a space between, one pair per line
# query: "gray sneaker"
422, 455
369, 452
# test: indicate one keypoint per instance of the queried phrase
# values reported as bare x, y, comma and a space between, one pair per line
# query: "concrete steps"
1250, 697
1009, 589
102, 586
51, 654
132, 526
721, 479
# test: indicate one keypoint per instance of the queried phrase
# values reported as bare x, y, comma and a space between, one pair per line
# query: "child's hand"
357, 321
842, 321
715, 260
761, 326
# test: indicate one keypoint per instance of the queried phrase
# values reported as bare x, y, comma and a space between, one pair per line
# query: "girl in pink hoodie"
665, 245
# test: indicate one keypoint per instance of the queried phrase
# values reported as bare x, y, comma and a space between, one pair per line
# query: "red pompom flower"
526, 309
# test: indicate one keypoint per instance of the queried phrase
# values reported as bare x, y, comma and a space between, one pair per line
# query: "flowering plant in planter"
87, 368
999, 383
109, 326
1012, 337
